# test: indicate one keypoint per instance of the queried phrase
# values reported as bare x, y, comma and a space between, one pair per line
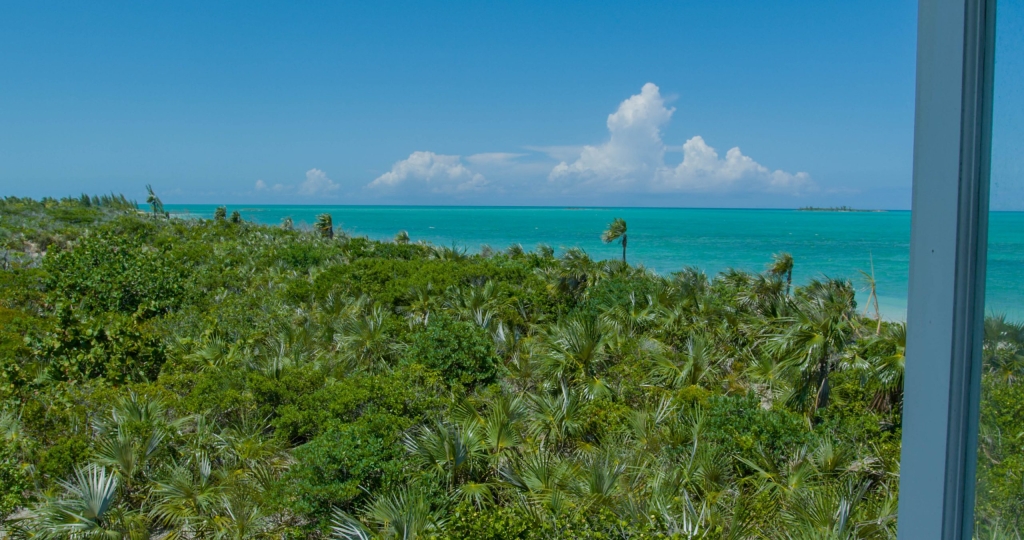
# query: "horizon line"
559, 206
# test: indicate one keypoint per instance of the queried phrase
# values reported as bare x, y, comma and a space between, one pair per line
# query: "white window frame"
948, 246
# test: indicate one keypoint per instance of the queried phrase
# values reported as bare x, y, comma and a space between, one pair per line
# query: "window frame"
948, 247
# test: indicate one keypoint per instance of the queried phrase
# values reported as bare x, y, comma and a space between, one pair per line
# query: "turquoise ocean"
834, 244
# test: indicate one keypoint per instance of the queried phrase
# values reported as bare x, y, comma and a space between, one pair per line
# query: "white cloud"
316, 183
703, 170
261, 185
437, 172
493, 158
634, 158
561, 153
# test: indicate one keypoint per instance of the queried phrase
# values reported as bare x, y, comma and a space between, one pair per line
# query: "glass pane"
393, 292
999, 507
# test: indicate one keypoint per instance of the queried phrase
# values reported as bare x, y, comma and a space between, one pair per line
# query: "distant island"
834, 209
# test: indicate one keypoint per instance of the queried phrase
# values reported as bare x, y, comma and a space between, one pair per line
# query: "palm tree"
154, 202
85, 509
632, 319
402, 238
873, 298
363, 339
782, 265
839, 512
221, 213
543, 481
616, 231
184, 499
240, 516
287, 224
444, 253
695, 365
324, 226
500, 427
421, 301
887, 368
1002, 351
575, 349
236, 217
815, 337
452, 451
515, 250
556, 419
406, 514
574, 274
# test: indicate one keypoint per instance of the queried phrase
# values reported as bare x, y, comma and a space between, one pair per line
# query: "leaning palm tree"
154, 202
324, 225
872, 285
402, 238
616, 231
782, 265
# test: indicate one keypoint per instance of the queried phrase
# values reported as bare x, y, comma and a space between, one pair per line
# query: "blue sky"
568, 103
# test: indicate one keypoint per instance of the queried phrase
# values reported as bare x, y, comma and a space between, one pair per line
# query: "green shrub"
118, 348
111, 272
737, 425
462, 352
58, 461
339, 467
14, 480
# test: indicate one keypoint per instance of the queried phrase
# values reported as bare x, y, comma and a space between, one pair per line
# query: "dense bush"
343, 466
112, 272
222, 378
461, 351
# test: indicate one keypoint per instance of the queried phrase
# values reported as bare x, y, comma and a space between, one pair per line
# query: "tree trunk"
821, 398
878, 314
623, 248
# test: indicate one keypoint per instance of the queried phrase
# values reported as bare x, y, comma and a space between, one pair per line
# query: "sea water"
834, 244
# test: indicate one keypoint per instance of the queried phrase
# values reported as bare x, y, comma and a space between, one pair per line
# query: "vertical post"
947, 267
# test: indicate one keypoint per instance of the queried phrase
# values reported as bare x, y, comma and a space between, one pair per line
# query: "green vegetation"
216, 378
616, 231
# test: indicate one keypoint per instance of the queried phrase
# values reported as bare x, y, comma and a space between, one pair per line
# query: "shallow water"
836, 244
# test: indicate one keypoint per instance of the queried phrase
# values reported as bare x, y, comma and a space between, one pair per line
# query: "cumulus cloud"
703, 170
262, 186
438, 173
633, 158
317, 184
